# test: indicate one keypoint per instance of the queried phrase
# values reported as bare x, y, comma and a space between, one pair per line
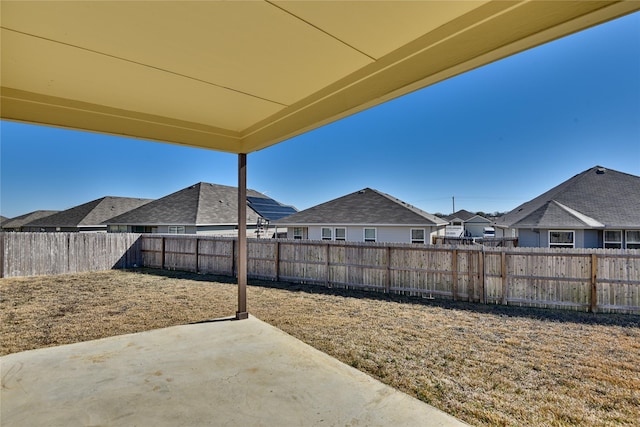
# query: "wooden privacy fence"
604, 280
598, 280
31, 254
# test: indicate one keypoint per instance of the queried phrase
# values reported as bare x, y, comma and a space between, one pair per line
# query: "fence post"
594, 289
197, 255
454, 271
387, 285
1, 255
277, 260
503, 272
233, 258
481, 275
162, 255
326, 264
68, 253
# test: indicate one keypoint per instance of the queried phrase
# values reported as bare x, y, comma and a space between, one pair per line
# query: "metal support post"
242, 237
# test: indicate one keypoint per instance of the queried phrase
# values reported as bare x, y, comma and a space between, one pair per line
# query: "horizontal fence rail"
597, 280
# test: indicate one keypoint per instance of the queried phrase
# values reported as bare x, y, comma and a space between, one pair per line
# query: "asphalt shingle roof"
595, 198
199, 204
91, 213
366, 206
21, 220
463, 215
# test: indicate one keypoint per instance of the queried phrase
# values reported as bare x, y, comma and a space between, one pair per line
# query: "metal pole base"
241, 315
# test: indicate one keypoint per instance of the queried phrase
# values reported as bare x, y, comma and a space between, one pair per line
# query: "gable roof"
199, 204
595, 198
92, 213
462, 215
366, 206
465, 216
21, 220
554, 214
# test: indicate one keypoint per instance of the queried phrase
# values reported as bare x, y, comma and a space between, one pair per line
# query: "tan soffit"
239, 76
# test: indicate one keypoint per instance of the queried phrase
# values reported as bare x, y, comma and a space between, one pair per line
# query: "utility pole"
453, 201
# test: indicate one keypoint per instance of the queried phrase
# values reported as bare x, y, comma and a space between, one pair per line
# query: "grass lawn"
487, 365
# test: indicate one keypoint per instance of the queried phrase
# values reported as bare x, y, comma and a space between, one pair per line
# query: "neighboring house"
474, 225
18, 223
202, 208
367, 215
598, 208
87, 217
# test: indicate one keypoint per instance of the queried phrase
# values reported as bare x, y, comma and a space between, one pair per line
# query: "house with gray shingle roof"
18, 223
202, 208
474, 225
87, 217
367, 215
597, 208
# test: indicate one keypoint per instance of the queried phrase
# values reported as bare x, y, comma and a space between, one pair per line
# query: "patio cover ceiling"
241, 76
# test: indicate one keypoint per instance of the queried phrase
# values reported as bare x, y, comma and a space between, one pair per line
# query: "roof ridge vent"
600, 170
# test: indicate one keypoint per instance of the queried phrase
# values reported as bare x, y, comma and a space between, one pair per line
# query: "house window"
297, 233
118, 228
561, 239
141, 229
176, 229
369, 234
633, 239
417, 235
326, 234
341, 234
613, 239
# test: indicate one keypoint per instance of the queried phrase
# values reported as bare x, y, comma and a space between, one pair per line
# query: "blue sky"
492, 139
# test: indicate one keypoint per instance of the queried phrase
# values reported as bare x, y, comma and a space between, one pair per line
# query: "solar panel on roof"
262, 201
269, 208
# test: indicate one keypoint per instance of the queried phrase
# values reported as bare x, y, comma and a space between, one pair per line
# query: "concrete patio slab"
217, 373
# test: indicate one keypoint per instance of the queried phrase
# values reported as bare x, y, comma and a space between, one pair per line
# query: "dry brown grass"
487, 365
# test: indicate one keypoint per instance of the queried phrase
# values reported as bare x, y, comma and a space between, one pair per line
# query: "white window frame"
421, 241
632, 243
612, 244
563, 245
176, 229
326, 233
344, 234
298, 233
375, 234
